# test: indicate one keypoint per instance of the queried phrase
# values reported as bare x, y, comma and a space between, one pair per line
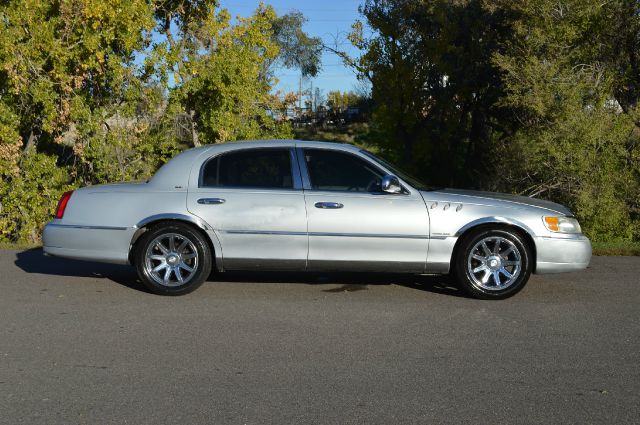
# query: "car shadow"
349, 282
34, 261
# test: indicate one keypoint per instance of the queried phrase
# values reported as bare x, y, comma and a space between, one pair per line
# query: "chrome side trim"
262, 232
577, 237
195, 220
79, 226
368, 235
347, 235
487, 220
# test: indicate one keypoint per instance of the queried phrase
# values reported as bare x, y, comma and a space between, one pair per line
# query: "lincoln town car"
311, 206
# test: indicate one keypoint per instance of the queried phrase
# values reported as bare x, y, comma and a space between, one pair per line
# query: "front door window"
341, 172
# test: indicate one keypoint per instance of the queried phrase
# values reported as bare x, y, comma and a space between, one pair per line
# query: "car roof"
172, 173
277, 142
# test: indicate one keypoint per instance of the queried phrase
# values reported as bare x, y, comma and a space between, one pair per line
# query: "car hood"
486, 198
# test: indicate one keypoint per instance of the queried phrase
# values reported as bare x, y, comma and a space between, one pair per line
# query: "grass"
19, 246
616, 248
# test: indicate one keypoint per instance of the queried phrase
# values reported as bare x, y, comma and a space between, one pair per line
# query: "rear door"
253, 199
353, 225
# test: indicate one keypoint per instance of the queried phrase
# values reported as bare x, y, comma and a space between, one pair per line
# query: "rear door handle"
329, 205
211, 201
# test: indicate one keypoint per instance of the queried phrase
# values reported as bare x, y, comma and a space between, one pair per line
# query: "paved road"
81, 343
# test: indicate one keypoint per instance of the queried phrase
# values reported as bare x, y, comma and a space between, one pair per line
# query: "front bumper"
562, 254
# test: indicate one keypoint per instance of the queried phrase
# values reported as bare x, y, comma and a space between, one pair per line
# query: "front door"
254, 201
353, 225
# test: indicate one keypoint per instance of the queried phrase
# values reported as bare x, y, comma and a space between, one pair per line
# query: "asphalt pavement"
82, 343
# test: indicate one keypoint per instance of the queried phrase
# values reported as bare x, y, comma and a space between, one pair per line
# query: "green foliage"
87, 97
31, 197
59, 55
226, 86
539, 98
616, 248
353, 133
575, 140
340, 101
297, 49
434, 85
62, 64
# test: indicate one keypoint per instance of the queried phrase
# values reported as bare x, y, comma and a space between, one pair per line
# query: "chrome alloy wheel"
171, 259
494, 263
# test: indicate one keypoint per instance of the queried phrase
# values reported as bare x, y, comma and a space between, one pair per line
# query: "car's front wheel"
492, 264
172, 259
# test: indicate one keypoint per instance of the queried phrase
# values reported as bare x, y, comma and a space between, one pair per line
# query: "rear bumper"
562, 254
93, 243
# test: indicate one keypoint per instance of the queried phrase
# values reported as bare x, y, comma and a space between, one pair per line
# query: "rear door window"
265, 168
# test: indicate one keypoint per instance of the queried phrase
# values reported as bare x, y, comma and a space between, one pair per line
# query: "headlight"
562, 224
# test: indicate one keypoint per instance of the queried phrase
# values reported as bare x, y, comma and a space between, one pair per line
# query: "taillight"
62, 204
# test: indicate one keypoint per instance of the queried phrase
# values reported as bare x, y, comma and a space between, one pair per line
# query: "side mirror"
391, 184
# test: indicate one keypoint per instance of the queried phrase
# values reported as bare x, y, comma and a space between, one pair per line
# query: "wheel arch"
195, 222
497, 223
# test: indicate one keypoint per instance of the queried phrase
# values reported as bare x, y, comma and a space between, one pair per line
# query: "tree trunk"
194, 131
31, 141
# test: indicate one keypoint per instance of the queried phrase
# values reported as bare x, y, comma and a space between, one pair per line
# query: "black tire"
195, 255
518, 262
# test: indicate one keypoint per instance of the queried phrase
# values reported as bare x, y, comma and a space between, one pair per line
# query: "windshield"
413, 181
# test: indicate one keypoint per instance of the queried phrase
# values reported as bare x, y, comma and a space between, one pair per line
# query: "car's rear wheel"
173, 259
492, 263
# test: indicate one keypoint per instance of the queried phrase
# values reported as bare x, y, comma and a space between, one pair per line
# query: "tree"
539, 98
61, 65
225, 73
616, 40
297, 49
577, 139
222, 79
93, 91
434, 86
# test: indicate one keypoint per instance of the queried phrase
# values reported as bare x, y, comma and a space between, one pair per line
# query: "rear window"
251, 168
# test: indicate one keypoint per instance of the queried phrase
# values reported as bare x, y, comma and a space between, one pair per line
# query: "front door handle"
211, 201
329, 205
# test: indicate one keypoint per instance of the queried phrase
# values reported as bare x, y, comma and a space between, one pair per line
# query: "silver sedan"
292, 205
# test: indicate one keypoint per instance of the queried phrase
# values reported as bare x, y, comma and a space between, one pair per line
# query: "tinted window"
414, 181
339, 171
259, 168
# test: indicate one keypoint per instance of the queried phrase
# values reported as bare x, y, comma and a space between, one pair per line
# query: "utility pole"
300, 96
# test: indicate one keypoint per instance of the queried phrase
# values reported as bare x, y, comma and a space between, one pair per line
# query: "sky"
328, 19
